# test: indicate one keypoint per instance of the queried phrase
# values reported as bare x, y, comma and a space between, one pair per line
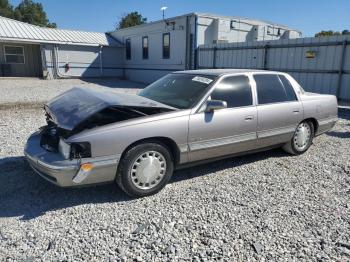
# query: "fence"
320, 65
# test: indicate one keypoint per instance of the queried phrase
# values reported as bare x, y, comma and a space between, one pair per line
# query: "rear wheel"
302, 139
145, 169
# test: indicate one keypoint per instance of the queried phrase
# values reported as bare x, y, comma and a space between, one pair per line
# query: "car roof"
219, 72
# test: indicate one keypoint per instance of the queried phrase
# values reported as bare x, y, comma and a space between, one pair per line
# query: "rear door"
225, 131
279, 110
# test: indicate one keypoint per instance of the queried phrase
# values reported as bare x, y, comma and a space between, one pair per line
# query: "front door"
225, 131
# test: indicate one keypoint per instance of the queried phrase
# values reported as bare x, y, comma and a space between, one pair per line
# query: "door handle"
296, 111
247, 118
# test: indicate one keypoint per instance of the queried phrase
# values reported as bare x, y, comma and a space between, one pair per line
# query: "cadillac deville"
182, 119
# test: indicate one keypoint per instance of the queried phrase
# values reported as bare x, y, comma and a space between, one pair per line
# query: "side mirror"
215, 105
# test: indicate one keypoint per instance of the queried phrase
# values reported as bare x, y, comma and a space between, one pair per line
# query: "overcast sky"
309, 16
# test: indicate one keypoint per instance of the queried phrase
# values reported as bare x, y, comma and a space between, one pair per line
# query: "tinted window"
271, 90
166, 46
145, 47
128, 49
178, 90
288, 88
235, 90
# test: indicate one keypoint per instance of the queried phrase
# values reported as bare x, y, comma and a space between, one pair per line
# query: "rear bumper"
61, 172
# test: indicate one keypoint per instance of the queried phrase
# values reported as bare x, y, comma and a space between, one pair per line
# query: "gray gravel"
266, 206
31, 91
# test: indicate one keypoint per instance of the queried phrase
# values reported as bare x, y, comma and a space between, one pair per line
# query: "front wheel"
145, 169
301, 140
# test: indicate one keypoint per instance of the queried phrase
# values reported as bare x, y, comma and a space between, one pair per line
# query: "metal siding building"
148, 70
187, 32
83, 61
55, 53
30, 66
320, 64
214, 29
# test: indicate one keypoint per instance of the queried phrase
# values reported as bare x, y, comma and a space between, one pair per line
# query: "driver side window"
235, 90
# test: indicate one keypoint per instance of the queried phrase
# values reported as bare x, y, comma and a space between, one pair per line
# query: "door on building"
20, 60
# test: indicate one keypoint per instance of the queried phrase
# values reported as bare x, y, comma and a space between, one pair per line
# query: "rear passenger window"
288, 88
235, 90
271, 89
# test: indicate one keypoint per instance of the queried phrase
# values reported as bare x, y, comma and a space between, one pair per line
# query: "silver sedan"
182, 119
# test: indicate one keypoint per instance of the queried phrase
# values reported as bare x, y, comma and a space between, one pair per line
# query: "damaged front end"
53, 137
78, 110
53, 155
53, 140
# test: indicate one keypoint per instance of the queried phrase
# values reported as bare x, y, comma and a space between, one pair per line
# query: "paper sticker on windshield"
202, 79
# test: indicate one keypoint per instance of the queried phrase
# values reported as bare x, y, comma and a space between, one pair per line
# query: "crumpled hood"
74, 106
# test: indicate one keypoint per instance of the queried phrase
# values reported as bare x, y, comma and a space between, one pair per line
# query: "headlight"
64, 148
80, 150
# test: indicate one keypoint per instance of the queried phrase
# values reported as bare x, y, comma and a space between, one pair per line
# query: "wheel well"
168, 142
314, 122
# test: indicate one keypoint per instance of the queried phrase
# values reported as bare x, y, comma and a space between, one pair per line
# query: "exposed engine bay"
80, 109
52, 133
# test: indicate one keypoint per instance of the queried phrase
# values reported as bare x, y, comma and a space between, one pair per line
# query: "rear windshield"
181, 91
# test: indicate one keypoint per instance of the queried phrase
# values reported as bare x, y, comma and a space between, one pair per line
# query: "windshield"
181, 91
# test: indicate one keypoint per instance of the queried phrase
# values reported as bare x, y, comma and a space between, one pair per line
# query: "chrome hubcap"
302, 136
148, 170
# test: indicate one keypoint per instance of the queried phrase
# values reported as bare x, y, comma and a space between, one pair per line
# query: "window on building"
166, 46
235, 90
128, 49
145, 47
271, 89
14, 54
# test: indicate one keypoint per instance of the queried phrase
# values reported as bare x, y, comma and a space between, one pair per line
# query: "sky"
309, 16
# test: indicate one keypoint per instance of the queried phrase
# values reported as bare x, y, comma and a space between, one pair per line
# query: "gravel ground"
34, 91
266, 206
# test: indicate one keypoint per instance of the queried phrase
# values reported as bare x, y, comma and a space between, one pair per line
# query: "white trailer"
157, 48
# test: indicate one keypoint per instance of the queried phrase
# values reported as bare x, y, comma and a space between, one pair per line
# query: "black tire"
124, 176
291, 148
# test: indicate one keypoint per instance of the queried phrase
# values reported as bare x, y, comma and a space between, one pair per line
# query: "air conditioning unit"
290, 34
221, 30
5, 70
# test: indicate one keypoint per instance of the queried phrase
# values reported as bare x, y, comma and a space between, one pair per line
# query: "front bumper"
54, 168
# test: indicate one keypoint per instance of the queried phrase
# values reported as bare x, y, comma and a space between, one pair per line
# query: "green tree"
131, 19
6, 9
32, 13
331, 33
327, 33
